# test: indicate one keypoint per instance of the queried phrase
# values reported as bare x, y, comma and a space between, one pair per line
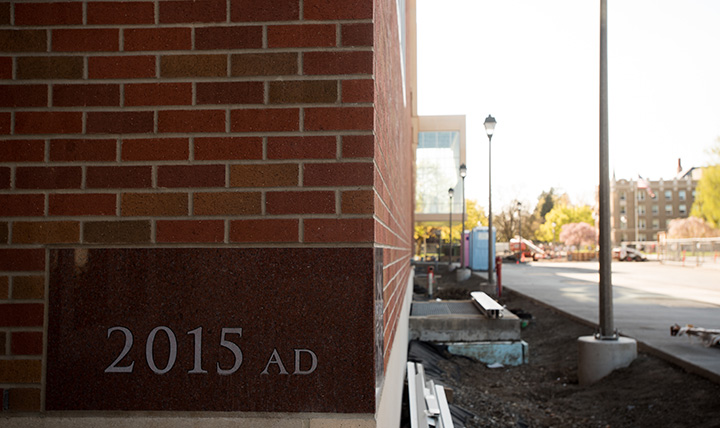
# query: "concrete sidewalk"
644, 315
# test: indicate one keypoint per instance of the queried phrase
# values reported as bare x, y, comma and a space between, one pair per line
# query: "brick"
23, 95
228, 148
320, 147
4, 178
158, 94
358, 202
193, 66
46, 232
5, 18
339, 118
86, 95
120, 13
28, 287
264, 64
120, 122
265, 120
230, 93
6, 67
227, 203
21, 315
114, 177
155, 149
190, 231
81, 150
154, 204
339, 230
22, 151
173, 12
261, 10
345, 62
48, 122
12, 205
26, 343
358, 91
56, 177
4, 294
117, 232
50, 67
23, 40
269, 175
338, 174
299, 91
75, 204
191, 121
24, 399
4, 237
358, 146
266, 230
246, 37
191, 176
121, 67
357, 34
337, 9
46, 14
5, 123
25, 259
86, 40
301, 36
20, 371
300, 202
157, 39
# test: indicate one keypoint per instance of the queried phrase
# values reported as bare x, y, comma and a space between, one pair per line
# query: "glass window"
642, 237
641, 209
623, 210
681, 195
641, 223
641, 196
656, 224
438, 164
668, 195
683, 209
655, 209
668, 209
623, 196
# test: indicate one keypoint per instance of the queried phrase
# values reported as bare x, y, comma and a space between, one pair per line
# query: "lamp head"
451, 192
463, 171
489, 125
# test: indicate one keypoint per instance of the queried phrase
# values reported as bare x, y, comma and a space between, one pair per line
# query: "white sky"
534, 66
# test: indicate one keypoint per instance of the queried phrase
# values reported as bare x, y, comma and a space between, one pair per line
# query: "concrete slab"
460, 321
506, 353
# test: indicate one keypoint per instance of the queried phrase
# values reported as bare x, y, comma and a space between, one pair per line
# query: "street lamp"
463, 173
450, 193
489, 130
519, 206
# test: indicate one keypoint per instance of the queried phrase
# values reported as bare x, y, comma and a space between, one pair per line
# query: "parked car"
628, 254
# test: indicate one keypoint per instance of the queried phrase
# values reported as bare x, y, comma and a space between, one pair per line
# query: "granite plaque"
193, 329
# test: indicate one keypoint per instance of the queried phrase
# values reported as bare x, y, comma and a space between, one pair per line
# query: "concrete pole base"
462, 274
598, 358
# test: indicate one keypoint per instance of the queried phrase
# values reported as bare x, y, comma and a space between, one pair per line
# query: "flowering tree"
578, 234
691, 227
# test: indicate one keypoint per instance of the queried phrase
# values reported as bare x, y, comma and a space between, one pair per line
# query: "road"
648, 298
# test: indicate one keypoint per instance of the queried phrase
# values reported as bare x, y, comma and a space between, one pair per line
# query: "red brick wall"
213, 122
393, 172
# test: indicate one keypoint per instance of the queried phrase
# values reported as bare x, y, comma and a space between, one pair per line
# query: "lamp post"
519, 205
489, 130
463, 173
450, 193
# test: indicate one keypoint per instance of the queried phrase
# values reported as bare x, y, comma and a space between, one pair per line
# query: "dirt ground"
545, 392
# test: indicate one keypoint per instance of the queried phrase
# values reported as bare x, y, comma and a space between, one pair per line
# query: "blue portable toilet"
479, 248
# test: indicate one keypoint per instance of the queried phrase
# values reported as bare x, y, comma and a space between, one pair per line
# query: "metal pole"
491, 260
462, 232
450, 237
607, 328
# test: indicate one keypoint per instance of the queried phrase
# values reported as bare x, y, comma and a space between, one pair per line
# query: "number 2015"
197, 364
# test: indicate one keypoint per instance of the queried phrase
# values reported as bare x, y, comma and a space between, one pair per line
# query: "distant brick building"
263, 150
656, 201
